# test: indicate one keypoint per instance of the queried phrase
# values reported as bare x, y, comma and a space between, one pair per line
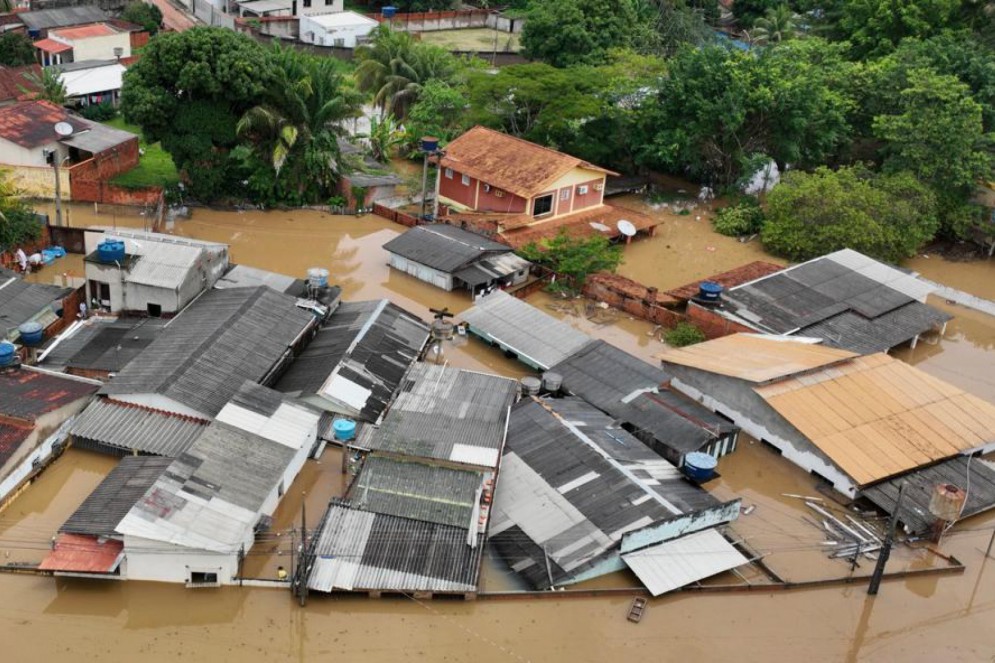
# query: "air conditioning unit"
487, 188
599, 187
499, 193
582, 190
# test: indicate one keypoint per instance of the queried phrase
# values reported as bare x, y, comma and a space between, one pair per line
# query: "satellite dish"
64, 129
600, 226
626, 228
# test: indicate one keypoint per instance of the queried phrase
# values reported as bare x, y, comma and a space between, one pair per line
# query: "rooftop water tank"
947, 502
552, 381
8, 353
110, 250
317, 277
530, 385
345, 429
429, 144
700, 466
388, 12
31, 334
709, 292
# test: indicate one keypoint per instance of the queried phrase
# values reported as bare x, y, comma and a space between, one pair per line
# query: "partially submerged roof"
64, 16
876, 417
443, 247
448, 414
604, 375
104, 344
537, 338
673, 564
510, 163
132, 428
205, 354
103, 509
74, 553
974, 474
357, 359
602, 220
729, 279
755, 357
360, 550
21, 301
846, 298
243, 276
28, 394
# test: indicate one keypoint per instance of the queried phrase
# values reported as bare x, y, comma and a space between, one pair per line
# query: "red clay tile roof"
578, 224
85, 31
29, 394
31, 123
11, 437
52, 46
730, 279
83, 554
523, 168
16, 83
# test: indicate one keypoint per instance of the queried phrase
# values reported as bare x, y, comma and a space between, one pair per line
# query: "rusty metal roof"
83, 554
32, 123
19, 83
28, 394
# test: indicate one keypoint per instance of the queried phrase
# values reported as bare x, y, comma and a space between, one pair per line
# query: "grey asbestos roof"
417, 490
98, 138
103, 509
443, 247
105, 345
538, 339
846, 298
242, 276
356, 361
63, 17
360, 550
222, 339
919, 486
561, 492
448, 414
133, 428
21, 301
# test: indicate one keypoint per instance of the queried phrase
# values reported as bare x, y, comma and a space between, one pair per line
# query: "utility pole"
302, 566
885, 553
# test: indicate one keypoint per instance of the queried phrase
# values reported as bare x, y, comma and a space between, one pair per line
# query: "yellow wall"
38, 182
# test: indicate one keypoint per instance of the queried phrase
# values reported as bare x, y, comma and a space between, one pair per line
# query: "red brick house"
519, 192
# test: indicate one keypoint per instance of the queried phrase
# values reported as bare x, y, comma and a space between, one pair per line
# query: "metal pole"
424, 185
990, 542
58, 190
885, 553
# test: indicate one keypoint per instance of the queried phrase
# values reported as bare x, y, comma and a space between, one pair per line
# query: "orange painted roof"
85, 31
52, 46
83, 554
512, 164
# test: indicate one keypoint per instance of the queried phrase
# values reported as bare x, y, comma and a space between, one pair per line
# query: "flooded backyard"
912, 619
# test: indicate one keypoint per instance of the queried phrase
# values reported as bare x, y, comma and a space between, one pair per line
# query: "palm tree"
779, 24
385, 137
49, 86
297, 126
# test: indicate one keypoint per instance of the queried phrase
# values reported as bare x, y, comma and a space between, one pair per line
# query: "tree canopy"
574, 258
144, 14
568, 32
16, 50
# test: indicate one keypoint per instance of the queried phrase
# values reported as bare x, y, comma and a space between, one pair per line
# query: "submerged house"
579, 498
637, 394
451, 258
846, 299
100, 346
854, 421
519, 192
21, 301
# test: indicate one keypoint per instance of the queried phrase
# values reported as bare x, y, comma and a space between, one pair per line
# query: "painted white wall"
99, 48
157, 561
320, 7
421, 272
13, 154
313, 32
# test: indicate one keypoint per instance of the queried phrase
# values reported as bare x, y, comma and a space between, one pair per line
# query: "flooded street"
947, 616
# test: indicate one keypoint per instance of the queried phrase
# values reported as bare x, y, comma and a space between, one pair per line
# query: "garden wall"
634, 298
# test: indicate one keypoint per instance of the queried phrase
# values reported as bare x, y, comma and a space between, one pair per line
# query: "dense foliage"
573, 259
16, 49
144, 14
566, 32
17, 220
745, 218
683, 334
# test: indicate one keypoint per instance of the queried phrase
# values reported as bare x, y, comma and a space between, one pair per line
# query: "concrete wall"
157, 561
44, 426
346, 36
98, 48
319, 7
712, 323
421, 272
12, 154
38, 181
604, 288
736, 400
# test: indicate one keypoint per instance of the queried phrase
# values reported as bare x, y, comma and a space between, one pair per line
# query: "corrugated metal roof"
604, 376
920, 485
105, 344
356, 361
98, 138
28, 393
136, 429
876, 417
222, 339
417, 490
492, 268
103, 509
448, 414
675, 420
537, 338
83, 554
854, 332
21, 301
359, 550
269, 414
63, 16
443, 247
243, 276
673, 564
755, 357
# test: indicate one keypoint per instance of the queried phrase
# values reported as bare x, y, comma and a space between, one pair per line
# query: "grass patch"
155, 167
480, 40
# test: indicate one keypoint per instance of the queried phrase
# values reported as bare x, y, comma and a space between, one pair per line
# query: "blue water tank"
317, 277
389, 11
110, 250
709, 291
700, 466
429, 144
345, 429
31, 333
7, 353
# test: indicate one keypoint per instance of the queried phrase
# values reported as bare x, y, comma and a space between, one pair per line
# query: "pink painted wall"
455, 190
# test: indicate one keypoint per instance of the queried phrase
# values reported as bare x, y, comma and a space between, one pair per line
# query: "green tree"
574, 258
747, 12
16, 50
777, 25
885, 216
938, 135
386, 136
440, 111
875, 27
567, 32
144, 14
672, 24
49, 85
17, 220
189, 90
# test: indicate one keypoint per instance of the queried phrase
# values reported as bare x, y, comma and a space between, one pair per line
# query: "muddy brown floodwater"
948, 617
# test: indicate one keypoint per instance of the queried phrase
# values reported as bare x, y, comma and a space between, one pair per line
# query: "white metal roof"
345, 19
673, 564
292, 425
101, 78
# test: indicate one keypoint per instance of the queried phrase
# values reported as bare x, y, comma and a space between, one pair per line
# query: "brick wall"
644, 308
90, 179
713, 324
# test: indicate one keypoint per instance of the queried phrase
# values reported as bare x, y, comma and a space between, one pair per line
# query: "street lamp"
429, 148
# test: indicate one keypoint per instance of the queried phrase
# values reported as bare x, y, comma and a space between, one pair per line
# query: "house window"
203, 579
280, 490
465, 179
542, 205
565, 194
307, 3
449, 173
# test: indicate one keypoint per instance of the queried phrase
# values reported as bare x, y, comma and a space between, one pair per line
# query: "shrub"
683, 334
99, 112
745, 218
